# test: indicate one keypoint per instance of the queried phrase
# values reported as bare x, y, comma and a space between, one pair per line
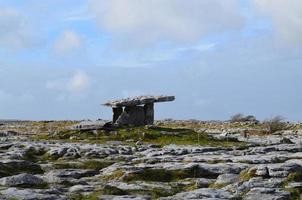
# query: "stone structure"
136, 111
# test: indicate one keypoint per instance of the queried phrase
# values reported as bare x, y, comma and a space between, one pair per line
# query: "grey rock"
12, 167
124, 197
297, 185
22, 180
227, 178
267, 194
203, 193
81, 188
204, 182
59, 175
29, 194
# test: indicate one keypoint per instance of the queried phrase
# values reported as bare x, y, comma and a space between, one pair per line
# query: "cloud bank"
286, 16
15, 33
77, 83
149, 21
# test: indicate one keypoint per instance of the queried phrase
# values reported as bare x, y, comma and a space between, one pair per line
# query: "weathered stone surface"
204, 182
149, 113
22, 180
136, 115
203, 193
60, 175
123, 119
267, 194
124, 197
227, 179
132, 115
117, 111
81, 188
31, 194
12, 167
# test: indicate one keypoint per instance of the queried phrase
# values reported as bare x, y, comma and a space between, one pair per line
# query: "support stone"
136, 115
117, 111
149, 113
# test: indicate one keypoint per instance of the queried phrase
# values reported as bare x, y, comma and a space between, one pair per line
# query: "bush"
242, 118
275, 124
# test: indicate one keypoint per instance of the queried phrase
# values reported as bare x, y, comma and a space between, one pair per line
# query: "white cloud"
67, 43
78, 82
15, 33
147, 21
286, 16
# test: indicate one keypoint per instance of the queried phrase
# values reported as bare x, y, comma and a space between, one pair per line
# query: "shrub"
275, 124
237, 117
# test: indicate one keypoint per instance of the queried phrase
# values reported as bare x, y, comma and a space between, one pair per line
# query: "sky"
61, 59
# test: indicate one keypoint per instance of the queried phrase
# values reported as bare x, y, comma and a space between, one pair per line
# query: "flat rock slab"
125, 197
140, 100
22, 180
267, 193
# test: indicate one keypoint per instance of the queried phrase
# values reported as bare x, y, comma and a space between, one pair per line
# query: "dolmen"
135, 111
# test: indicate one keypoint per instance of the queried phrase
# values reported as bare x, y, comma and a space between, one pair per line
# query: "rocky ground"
173, 160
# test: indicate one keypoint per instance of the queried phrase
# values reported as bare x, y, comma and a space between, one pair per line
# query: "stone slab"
140, 100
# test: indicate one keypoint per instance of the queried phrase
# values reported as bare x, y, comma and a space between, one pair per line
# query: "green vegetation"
275, 124
161, 175
39, 186
295, 193
217, 185
115, 175
33, 154
247, 174
92, 196
155, 135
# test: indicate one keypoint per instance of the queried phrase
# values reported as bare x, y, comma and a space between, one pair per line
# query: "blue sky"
60, 59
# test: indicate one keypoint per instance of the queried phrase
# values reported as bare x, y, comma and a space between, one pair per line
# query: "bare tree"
275, 124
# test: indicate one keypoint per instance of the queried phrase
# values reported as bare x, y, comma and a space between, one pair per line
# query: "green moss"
39, 186
92, 196
33, 154
48, 157
217, 185
247, 174
295, 193
111, 190
115, 175
161, 175
155, 135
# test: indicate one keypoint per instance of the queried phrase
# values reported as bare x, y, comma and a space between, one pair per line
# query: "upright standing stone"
149, 113
136, 115
117, 111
